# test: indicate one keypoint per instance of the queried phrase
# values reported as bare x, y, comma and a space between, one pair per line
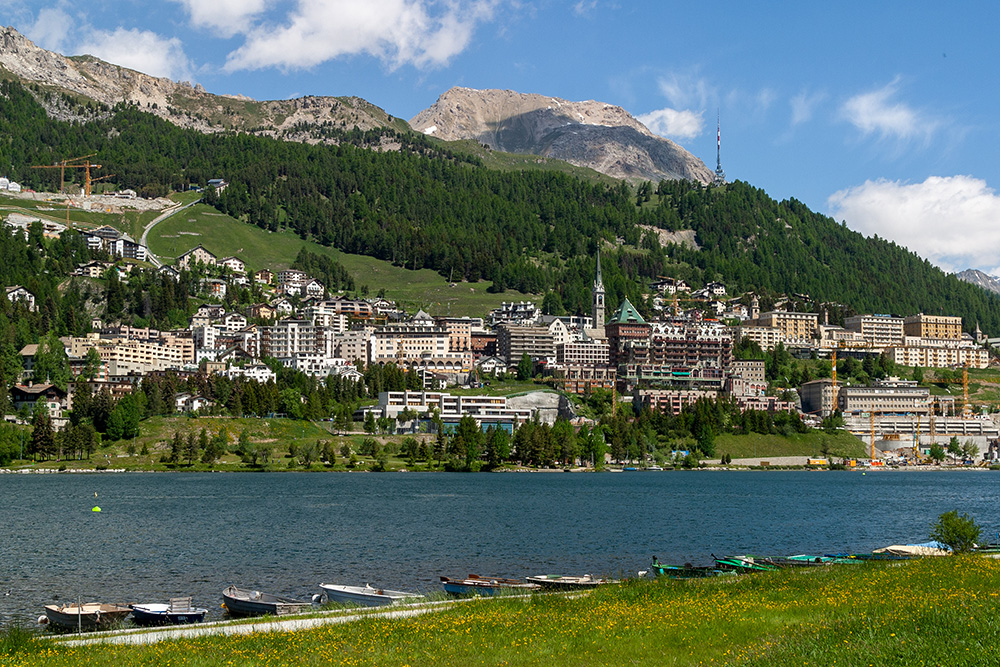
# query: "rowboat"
178, 611
476, 585
240, 602
366, 595
689, 571
745, 564
87, 616
557, 582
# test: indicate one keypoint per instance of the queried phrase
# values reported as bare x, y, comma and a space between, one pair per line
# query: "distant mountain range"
980, 279
600, 136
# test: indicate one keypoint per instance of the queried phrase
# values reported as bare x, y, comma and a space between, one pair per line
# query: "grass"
260, 249
840, 443
932, 611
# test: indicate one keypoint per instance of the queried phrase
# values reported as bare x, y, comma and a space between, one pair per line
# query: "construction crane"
61, 166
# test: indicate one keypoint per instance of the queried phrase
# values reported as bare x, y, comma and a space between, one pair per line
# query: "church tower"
598, 296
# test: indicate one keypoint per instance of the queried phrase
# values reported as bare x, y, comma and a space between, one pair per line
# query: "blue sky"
883, 115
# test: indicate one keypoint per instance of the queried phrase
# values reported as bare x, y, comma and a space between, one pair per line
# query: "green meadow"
936, 611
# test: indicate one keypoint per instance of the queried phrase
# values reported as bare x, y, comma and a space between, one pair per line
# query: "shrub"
959, 532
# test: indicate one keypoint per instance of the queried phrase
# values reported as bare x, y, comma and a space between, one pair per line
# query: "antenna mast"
720, 176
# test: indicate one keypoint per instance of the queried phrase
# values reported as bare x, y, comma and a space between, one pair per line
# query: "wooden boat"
689, 571
366, 595
88, 616
178, 611
476, 585
240, 602
745, 564
564, 583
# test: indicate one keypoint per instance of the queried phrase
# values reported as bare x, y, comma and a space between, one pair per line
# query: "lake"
162, 535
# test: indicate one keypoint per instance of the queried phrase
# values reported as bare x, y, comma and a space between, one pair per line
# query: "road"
152, 223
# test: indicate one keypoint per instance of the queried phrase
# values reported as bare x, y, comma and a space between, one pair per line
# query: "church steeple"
598, 295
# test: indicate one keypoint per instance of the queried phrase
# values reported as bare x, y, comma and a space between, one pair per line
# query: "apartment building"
933, 326
884, 400
797, 328
514, 341
879, 331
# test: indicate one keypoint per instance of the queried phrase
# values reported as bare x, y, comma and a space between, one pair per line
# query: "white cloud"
51, 29
584, 7
140, 50
803, 106
951, 221
686, 90
876, 112
675, 124
418, 32
224, 17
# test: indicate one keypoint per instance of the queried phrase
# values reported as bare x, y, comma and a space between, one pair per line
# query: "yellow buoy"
96, 509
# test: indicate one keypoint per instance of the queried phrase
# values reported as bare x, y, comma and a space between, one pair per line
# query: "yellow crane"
61, 166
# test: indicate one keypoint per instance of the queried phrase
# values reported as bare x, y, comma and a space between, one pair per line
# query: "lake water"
171, 534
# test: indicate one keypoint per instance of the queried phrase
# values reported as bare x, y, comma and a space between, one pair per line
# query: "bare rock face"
179, 102
601, 136
977, 277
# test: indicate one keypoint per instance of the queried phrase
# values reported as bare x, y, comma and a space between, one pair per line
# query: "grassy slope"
841, 444
259, 248
931, 612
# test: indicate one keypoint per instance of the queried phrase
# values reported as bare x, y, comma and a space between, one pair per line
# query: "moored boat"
477, 585
88, 616
178, 611
557, 582
241, 602
688, 571
745, 564
366, 595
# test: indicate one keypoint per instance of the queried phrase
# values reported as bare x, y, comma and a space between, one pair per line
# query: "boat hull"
240, 602
564, 583
89, 616
367, 596
476, 585
161, 614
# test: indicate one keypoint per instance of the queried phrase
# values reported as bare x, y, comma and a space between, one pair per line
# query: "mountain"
601, 136
980, 279
302, 119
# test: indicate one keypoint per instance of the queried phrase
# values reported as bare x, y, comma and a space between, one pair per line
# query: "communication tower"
720, 176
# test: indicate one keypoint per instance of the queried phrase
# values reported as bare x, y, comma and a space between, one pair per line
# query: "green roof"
626, 314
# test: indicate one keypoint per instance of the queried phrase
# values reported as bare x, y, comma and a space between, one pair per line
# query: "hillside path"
152, 223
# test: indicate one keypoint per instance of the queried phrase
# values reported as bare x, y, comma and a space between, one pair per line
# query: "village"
686, 352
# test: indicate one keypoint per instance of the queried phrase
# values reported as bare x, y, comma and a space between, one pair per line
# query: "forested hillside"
425, 206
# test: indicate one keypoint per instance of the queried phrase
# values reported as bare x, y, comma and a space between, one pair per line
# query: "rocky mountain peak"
602, 136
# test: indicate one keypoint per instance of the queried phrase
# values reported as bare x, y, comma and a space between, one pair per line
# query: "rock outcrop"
977, 277
181, 103
601, 136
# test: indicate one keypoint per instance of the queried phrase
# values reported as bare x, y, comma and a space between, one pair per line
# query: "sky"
883, 115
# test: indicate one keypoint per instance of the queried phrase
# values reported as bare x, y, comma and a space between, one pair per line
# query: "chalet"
197, 255
170, 272
54, 399
16, 293
190, 402
282, 307
264, 277
217, 183
214, 287
92, 269
234, 322
234, 264
262, 311
313, 288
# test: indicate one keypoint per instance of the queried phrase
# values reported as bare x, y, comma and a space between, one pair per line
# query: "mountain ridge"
602, 136
181, 103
